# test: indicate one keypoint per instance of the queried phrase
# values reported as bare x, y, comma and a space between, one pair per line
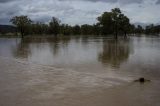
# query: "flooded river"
79, 71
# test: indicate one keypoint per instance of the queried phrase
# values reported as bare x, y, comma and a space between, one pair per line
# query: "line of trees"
152, 29
148, 30
109, 23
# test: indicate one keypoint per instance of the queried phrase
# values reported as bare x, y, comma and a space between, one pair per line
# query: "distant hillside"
7, 29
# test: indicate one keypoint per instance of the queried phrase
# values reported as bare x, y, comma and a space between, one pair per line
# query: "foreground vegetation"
109, 23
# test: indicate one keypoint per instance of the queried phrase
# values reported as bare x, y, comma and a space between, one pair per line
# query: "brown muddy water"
79, 71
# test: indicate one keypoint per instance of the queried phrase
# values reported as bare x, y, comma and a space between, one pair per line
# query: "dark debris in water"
142, 80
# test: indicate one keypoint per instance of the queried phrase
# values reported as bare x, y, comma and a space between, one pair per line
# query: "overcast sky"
79, 11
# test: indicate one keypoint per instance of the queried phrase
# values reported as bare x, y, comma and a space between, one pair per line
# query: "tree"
86, 29
113, 22
139, 29
105, 22
54, 26
124, 24
152, 29
65, 29
96, 29
39, 28
132, 29
76, 30
116, 17
22, 23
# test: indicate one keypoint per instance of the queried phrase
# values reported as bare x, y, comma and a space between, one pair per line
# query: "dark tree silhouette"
22, 23
109, 23
139, 29
113, 22
54, 26
76, 30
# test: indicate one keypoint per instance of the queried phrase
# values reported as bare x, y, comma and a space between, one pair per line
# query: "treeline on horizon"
109, 23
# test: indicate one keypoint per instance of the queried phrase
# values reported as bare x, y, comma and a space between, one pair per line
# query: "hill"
7, 29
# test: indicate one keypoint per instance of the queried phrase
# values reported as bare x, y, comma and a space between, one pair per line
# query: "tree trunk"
125, 34
22, 33
116, 35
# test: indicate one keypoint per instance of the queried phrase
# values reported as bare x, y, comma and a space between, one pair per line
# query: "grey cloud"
40, 11
4, 20
130, 1
5, 1
158, 2
111, 1
43, 19
77, 11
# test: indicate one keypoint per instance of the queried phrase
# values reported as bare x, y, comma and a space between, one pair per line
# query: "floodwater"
79, 71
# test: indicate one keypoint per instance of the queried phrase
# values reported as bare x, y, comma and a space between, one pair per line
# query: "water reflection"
22, 49
115, 52
26, 46
56, 44
74, 51
63, 51
96, 54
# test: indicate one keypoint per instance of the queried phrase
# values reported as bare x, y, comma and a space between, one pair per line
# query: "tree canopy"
109, 23
22, 23
114, 22
54, 26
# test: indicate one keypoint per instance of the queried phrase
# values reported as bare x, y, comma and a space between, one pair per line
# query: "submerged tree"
22, 23
113, 22
76, 30
54, 26
86, 29
124, 24
139, 29
116, 18
152, 29
39, 28
105, 22
65, 29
